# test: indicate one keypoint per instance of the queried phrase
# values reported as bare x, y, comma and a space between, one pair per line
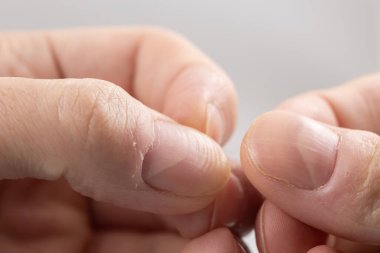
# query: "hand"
316, 161
87, 167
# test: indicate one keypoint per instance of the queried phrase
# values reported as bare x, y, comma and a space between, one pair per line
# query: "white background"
271, 49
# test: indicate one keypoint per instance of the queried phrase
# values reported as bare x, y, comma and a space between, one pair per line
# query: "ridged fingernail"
293, 149
184, 161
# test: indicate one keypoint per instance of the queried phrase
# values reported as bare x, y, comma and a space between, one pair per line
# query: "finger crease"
54, 56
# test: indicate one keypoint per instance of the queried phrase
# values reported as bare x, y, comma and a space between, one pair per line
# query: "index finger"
158, 67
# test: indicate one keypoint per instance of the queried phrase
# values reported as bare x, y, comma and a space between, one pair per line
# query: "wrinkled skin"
49, 216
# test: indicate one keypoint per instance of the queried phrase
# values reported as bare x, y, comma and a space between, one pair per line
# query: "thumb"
107, 145
325, 176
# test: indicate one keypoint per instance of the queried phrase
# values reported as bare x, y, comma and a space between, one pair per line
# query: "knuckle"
109, 121
91, 109
104, 106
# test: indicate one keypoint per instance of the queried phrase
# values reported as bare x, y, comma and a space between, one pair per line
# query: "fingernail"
215, 123
206, 100
294, 149
184, 162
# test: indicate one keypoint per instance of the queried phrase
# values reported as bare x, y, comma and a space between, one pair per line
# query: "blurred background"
271, 49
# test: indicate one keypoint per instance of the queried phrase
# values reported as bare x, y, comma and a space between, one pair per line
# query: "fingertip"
234, 207
203, 97
248, 156
185, 162
278, 232
292, 149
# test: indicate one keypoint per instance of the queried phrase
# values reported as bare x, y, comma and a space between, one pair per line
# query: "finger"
217, 241
107, 145
42, 216
278, 232
121, 242
233, 207
324, 249
158, 67
324, 176
109, 216
351, 105
340, 106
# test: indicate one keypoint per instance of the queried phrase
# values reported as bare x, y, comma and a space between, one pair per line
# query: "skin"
315, 160
110, 163
77, 155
